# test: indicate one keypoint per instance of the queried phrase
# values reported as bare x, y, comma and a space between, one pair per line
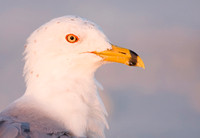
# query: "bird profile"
61, 97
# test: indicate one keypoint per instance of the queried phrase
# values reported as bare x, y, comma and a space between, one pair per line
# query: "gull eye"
71, 38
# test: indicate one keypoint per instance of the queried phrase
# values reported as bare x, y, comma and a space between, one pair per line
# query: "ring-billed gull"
61, 98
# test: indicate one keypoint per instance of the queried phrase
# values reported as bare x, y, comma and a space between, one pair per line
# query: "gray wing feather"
9, 129
12, 129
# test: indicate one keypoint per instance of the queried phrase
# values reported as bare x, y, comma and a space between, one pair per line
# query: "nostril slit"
122, 53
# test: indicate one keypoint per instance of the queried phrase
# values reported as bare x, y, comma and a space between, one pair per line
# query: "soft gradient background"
162, 101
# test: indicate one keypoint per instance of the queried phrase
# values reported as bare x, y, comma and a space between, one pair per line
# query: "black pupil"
72, 38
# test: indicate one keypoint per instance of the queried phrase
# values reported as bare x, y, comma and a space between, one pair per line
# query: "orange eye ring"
71, 38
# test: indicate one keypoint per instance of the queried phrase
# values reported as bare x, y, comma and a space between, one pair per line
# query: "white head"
61, 58
48, 46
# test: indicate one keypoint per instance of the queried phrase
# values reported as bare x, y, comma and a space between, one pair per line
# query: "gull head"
74, 43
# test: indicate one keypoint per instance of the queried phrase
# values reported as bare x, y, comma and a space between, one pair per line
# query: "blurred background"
162, 101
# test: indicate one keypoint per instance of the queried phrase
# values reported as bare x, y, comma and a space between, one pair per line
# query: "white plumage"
60, 75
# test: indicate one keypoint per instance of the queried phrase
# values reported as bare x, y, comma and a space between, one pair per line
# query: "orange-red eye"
71, 38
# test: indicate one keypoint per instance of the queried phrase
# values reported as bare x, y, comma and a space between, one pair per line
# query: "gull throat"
72, 97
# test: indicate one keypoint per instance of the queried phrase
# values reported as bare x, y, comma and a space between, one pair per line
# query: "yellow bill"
121, 55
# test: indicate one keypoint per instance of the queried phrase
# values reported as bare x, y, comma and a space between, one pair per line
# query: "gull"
61, 97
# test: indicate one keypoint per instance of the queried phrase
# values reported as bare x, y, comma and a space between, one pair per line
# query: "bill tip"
140, 63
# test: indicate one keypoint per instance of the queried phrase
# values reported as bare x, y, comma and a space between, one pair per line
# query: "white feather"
60, 75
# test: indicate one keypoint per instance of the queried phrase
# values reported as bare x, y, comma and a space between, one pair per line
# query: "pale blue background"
162, 101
